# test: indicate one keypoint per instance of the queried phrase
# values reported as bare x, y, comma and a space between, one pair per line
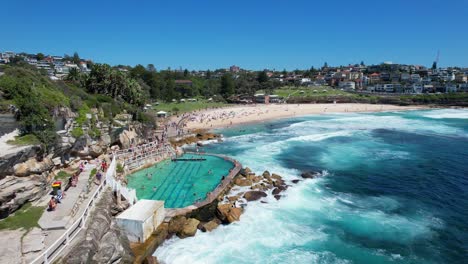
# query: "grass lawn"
187, 106
26, 217
308, 91
25, 140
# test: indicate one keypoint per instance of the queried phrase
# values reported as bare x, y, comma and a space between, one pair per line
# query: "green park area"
291, 91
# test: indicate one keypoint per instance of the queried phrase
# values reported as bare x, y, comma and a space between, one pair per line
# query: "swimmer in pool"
154, 189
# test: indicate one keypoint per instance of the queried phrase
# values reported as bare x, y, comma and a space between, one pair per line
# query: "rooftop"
142, 210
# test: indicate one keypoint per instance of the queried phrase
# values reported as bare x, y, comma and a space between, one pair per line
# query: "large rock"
32, 166
15, 192
309, 175
254, 195
189, 229
128, 138
210, 226
95, 151
228, 214
242, 181
276, 177
7, 162
114, 248
105, 139
176, 224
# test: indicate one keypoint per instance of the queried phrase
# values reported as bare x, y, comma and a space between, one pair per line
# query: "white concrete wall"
133, 229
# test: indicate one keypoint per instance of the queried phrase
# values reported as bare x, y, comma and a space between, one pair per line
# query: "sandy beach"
236, 115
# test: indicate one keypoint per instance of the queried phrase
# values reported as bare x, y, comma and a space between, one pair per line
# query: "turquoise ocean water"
394, 190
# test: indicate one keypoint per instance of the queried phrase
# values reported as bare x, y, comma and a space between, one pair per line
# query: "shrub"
119, 168
77, 132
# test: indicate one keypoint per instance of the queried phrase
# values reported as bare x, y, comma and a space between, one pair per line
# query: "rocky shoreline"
225, 209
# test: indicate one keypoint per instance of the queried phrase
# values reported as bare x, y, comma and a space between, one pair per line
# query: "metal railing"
54, 250
128, 193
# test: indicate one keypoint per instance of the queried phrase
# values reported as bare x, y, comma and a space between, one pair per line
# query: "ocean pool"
180, 183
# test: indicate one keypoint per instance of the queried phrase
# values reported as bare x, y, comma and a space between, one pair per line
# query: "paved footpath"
62, 215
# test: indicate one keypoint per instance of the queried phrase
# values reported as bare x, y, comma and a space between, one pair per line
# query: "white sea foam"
320, 137
448, 113
311, 217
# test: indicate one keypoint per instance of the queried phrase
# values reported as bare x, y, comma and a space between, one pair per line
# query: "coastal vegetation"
124, 89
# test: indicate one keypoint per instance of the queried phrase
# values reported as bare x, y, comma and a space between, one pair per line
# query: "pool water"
180, 183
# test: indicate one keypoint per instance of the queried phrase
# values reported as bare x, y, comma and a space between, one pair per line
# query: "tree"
150, 67
138, 71
40, 56
73, 75
434, 65
262, 77
186, 73
76, 58
227, 85
362, 63
105, 80
208, 74
325, 65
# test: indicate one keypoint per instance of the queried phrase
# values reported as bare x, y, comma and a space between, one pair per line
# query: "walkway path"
63, 214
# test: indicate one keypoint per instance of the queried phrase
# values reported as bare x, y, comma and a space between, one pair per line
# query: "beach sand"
245, 114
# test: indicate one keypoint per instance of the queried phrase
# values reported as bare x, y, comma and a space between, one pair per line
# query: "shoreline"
234, 116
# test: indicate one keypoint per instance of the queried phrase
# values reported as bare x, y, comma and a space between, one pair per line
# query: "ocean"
394, 189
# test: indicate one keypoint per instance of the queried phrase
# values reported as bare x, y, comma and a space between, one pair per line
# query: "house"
428, 88
463, 87
461, 78
389, 87
405, 77
374, 78
260, 98
417, 88
139, 221
379, 88
347, 85
450, 88
274, 98
385, 77
415, 77
305, 81
234, 69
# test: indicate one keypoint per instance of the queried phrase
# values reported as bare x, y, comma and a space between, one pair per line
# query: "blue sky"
254, 34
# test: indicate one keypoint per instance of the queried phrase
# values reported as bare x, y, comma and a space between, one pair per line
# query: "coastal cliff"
102, 241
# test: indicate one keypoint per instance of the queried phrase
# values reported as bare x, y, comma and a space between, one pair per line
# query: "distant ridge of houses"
383, 78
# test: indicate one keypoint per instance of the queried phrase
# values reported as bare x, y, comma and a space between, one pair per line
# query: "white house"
450, 88
140, 220
418, 88
347, 85
389, 88
415, 77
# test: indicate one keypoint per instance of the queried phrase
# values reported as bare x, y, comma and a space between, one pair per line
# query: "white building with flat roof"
140, 220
